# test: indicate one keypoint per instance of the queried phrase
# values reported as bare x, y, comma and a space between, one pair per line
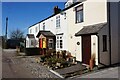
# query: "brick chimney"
56, 10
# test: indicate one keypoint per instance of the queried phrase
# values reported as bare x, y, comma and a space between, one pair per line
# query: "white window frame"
79, 14
58, 21
50, 41
44, 26
36, 29
59, 41
32, 42
30, 30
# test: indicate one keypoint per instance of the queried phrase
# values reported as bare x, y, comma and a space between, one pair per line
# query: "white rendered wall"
27, 42
94, 13
62, 29
78, 48
33, 28
94, 47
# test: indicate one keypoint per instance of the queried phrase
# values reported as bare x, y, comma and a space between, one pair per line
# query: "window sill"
105, 51
58, 27
78, 22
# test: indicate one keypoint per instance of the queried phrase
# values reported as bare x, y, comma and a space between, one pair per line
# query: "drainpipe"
109, 25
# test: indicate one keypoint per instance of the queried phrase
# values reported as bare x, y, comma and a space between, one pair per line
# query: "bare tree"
16, 34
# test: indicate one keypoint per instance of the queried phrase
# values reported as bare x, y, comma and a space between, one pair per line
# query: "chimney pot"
56, 10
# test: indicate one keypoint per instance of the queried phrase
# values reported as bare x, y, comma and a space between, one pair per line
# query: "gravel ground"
38, 69
23, 67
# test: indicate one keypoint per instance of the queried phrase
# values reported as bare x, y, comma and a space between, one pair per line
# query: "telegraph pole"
6, 32
6, 27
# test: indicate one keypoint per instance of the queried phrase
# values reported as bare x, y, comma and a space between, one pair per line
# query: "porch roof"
30, 35
91, 29
45, 33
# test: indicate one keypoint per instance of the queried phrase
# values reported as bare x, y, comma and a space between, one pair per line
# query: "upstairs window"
36, 29
79, 14
30, 30
57, 21
43, 26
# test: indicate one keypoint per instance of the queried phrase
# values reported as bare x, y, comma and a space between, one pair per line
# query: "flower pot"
92, 63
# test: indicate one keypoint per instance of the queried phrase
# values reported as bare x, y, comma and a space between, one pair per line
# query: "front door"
40, 43
86, 49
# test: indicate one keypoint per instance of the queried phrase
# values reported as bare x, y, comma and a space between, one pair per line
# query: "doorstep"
72, 70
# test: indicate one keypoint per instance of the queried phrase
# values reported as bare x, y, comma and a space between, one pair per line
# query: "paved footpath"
112, 72
22, 67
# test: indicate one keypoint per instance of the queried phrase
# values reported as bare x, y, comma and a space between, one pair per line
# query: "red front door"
86, 49
40, 43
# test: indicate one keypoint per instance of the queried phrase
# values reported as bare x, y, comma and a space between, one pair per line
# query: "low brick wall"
32, 51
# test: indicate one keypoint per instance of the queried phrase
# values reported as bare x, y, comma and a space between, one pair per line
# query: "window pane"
32, 42
60, 37
36, 29
57, 43
60, 43
58, 21
79, 14
50, 45
104, 42
43, 26
57, 37
30, 30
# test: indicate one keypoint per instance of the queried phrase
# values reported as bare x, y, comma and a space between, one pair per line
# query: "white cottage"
30, 41
85, 28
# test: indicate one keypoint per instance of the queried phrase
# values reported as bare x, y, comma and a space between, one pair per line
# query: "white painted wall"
94, 12
49, 25
33, 28
28, 42
78, 48
94, 47
62, 29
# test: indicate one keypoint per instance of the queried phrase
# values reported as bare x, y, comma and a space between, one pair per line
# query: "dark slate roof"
30, 35
91, 29
45, 33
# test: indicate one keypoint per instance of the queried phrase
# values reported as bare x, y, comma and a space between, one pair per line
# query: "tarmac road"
12, 70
